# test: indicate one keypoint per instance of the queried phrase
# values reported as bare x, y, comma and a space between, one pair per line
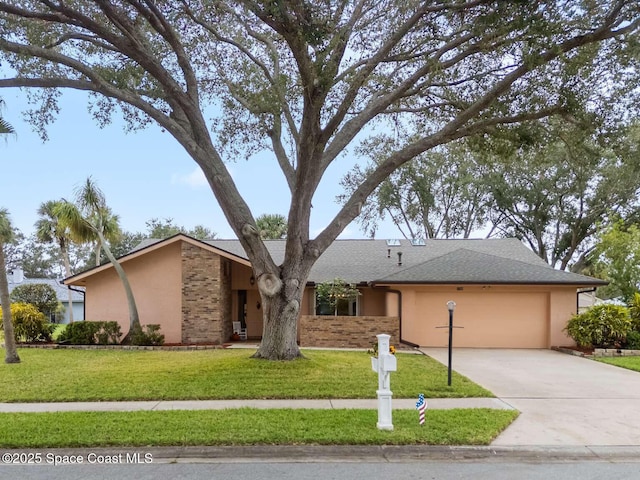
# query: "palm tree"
272, 226
51, 229
6, 235
110, 227
5, 127
89, 220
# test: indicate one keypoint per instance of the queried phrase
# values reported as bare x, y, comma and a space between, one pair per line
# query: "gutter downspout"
588, 290
84, 303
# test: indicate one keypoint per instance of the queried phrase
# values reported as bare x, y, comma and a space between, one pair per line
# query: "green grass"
114, 375
631, 363
249, 427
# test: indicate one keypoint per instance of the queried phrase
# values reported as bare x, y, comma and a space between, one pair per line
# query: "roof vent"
399, 259
418, 242
394, 242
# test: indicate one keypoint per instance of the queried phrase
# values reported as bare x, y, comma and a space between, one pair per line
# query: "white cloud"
195, 179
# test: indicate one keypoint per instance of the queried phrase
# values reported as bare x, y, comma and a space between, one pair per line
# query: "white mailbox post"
384, 364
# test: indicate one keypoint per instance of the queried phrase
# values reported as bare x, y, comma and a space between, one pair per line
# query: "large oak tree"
307, 80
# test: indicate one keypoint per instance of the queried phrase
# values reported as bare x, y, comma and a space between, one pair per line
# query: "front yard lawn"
632, 363
249, 427
117, 375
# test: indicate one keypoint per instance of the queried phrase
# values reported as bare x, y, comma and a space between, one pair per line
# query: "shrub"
91, 333
80, 333
109, 334
147, 335
633, 340
634, 312
600, 326
29, 324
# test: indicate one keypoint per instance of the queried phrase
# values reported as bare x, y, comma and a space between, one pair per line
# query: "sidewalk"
372, 404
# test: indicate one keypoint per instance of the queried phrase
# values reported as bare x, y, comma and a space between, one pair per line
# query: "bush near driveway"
601, 326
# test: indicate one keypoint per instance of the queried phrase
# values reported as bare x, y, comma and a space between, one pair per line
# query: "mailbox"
389, 363
383, 364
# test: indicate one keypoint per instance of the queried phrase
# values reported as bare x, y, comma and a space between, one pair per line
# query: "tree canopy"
616, 258
271, 226
308, 80
164, 228
40, 295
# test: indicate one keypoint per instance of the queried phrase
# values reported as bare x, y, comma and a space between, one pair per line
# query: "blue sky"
144, 174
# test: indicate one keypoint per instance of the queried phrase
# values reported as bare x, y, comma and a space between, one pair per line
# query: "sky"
144, 174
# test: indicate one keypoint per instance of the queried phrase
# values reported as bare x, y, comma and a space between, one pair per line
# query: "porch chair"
242, 332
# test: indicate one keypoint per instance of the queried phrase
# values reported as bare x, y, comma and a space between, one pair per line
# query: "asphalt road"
440, 470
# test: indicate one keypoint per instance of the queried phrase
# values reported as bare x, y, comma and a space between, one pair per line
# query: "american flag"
421, 405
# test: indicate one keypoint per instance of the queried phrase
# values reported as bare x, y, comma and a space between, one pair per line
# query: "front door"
242, 308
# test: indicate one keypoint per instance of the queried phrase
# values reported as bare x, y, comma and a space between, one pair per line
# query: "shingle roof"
437, 261
61, 290
466, 266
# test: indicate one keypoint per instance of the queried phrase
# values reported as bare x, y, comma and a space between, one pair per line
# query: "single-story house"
16, 278
505, 295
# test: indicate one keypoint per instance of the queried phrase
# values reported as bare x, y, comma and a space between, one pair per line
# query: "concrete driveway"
563, 399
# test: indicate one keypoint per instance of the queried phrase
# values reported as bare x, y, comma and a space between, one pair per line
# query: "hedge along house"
506, 296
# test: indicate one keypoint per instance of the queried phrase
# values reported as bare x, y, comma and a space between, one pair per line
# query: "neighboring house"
16, 278
506, 296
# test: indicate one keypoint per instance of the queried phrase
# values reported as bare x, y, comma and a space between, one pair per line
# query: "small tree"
40, 295
335, 292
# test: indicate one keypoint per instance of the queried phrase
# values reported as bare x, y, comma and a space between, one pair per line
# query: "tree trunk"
97, 251
134, 319
280, 321
11, 352
67, 271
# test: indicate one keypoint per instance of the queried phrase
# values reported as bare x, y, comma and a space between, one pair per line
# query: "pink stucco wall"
155, 279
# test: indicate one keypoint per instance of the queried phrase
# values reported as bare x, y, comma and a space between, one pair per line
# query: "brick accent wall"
206, 296
346, 332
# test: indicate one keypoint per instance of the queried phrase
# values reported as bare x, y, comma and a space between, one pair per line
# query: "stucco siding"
372, 302
155, 281
562, 306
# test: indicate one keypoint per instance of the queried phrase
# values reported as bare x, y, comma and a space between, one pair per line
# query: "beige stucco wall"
156, 283
562, 307
491, 316
373, 302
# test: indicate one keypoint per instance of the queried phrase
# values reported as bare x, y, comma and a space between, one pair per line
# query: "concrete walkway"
436, 403
563, 399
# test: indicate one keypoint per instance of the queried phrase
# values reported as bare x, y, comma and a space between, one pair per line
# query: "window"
341, 307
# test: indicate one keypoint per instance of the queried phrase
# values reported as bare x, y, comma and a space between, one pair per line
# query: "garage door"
500, 320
